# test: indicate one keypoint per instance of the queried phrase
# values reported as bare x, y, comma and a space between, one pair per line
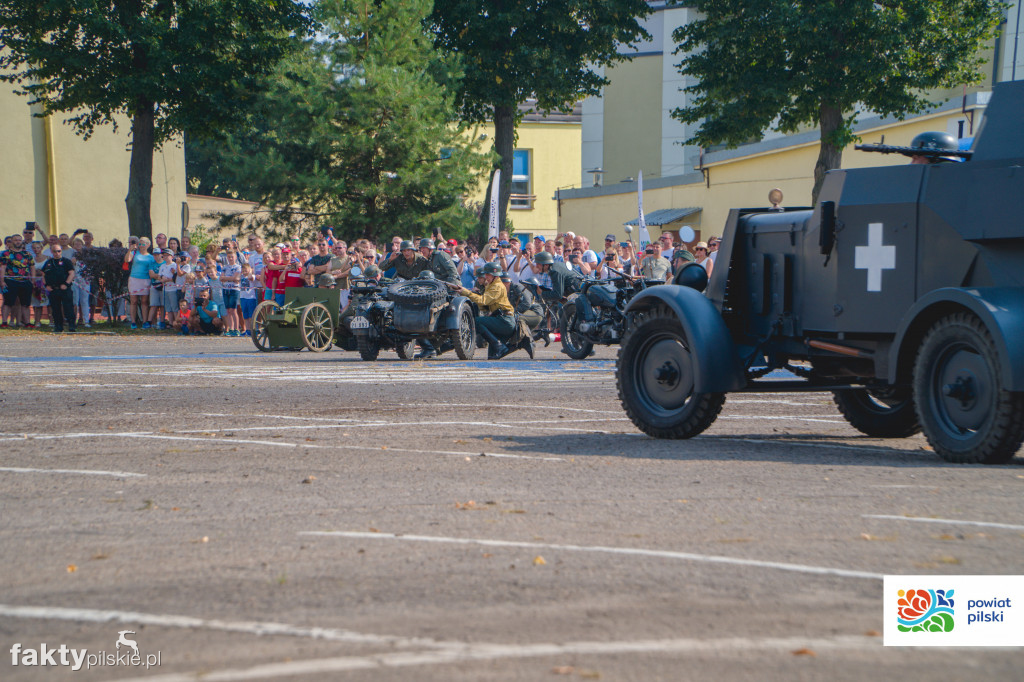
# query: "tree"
517, 49
357, 131
790, 63
170, 65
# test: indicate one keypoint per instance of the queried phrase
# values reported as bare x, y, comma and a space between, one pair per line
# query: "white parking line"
490, 652
661, 554
952, 522
244, 627
762, 417
84, 472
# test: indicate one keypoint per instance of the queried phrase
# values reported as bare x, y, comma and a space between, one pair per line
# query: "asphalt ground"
292, 516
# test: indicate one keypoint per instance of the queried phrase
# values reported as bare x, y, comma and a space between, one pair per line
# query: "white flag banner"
645, 236
492, 227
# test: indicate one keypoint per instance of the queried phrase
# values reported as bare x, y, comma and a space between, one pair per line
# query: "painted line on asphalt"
371, 424
188, 622
469, 653
83, 472
629, 551
281, 444
786, 418
948, 522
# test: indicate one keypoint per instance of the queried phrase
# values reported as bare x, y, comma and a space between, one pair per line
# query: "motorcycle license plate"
359, 323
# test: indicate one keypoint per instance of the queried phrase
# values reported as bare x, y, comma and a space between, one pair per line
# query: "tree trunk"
504, 140
829, 154
140, 172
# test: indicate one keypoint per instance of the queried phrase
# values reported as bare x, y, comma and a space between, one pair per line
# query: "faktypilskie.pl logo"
126, 653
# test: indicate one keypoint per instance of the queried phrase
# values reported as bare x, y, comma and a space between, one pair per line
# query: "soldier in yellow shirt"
496, 322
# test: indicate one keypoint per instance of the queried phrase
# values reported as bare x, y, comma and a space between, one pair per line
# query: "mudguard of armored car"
718, 367
1000, 309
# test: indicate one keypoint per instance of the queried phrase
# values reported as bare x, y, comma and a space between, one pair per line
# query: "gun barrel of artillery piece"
911, 151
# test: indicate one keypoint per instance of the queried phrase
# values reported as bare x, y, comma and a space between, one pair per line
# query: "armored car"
901, 292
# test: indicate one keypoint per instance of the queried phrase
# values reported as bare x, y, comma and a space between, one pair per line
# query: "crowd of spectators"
172, 285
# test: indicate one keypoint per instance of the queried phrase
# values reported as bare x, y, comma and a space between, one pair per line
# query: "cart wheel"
317, 330
260, 335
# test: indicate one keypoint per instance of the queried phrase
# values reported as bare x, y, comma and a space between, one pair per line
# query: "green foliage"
355, 131
518, 49
759, 62
198, 62
201, 237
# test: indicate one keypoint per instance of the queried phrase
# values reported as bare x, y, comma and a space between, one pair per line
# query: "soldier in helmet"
406, 262
496, 322
439, 262
563, 281
522, 299
934, 141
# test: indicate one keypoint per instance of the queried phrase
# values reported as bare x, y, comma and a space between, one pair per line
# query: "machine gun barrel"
911, 151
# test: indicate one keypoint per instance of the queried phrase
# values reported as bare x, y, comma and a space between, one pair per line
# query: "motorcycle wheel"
368, 348
573, 342
464, 338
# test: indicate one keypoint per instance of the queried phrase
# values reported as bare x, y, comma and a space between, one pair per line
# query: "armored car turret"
902, 292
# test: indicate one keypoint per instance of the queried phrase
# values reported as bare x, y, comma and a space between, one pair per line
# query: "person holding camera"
609, 264
206, 318
654, 266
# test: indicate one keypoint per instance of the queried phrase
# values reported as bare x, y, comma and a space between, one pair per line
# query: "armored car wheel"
316, 326
368, 348
655, 374
573, 343
880, 413
260, 335
966, 414
406, 350
464, 338
418, 292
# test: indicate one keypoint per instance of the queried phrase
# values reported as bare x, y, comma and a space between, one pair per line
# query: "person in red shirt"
293, 275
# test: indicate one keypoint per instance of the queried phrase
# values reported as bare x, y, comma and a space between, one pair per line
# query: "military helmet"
478, 272
325, 280
544, 258
505, 277
426, 274
426, 243
491, 268
406, 244
371, 271
936, 140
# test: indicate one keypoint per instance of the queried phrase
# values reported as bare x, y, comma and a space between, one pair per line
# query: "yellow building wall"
64, 182
741, 182
555, 150
632, 110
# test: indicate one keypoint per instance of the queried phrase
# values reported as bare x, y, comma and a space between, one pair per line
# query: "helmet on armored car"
936, 141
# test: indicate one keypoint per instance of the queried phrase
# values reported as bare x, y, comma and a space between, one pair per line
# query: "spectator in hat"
156, 291
610, 243
700, 255
230, 282
168, 275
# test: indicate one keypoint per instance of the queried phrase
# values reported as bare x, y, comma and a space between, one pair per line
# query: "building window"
521, 196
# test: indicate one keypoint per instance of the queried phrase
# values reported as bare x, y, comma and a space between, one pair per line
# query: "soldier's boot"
495, 348
427, 350
527, 345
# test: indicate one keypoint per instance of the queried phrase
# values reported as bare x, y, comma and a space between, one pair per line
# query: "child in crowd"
230, 278
247, 297
156, 291
168, 276
216, 288
81, 287
181, 280
199, 283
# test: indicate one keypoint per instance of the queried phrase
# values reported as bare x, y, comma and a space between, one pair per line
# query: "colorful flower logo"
925, 611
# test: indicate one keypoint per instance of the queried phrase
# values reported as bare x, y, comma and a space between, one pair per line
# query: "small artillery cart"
308, 319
